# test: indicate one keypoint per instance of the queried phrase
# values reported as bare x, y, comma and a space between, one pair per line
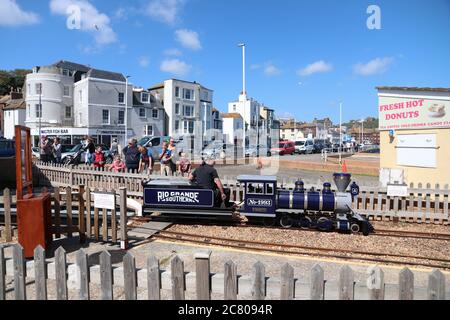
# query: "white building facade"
188, 108
258, 121
71, 101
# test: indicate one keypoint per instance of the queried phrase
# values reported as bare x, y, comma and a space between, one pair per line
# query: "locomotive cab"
259, 196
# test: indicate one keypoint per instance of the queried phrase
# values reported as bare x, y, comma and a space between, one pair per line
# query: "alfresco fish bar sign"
404, 113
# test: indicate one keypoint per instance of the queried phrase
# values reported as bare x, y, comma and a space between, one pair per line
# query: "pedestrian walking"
132, 155
114, 148
57, 150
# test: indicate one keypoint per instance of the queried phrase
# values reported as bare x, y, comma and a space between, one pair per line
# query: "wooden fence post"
346, 283
153, 279
436, 285
104, 225
69, 211
61, 274
81, 221
375, 283
83, 274
406, 285
7, 207
20, 271
57, 206
287, 282
258, 281
177, 275
230, 281
130, 276
123, 219
203, 275
317, 286
88, 213
2, 273
40, 273
106, 276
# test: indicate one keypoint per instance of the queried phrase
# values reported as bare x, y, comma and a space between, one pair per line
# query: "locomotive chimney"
342, 180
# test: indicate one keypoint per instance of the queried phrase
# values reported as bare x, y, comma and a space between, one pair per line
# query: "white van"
304, 146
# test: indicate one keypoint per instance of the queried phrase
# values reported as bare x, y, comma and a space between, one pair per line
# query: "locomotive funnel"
342, 180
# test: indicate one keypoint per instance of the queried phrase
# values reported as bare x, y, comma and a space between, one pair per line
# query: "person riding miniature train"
206, 176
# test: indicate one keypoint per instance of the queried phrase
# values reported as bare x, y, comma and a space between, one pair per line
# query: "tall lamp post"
244, 93
362, 131
40, 116
340, 133
126, 112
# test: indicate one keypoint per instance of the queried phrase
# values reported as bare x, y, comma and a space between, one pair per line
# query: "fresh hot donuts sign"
397, 113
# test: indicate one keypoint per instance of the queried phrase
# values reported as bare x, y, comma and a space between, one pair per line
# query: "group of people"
50, 151
141, 159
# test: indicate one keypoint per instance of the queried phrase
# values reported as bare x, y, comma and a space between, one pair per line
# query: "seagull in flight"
96, 27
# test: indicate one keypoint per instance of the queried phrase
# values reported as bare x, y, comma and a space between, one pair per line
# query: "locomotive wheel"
269, 222
355, 228
324, 224
286, 221
305, 222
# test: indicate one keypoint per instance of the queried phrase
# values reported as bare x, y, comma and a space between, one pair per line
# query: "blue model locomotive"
263, 200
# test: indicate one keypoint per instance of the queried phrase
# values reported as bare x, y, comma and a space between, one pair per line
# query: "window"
177, 108
38, 87
68, 112
29, 89
188, 94
121, 117
80, 94
188, 111
234, 107
142, 113
155, 113
205, 96
66, 91
105, 117
255, 188
148, 130
145, 97
177, 92
177, 125
188, 127
121, 97
270, 188
65, 72
38, 110
29, 111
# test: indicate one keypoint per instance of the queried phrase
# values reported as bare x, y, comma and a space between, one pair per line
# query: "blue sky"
303, 57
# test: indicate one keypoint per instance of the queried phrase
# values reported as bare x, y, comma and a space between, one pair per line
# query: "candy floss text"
402, 110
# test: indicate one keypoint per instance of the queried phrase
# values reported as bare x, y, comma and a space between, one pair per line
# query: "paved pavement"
309, 177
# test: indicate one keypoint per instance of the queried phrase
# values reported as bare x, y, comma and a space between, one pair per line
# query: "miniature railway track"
377, 257
229, 222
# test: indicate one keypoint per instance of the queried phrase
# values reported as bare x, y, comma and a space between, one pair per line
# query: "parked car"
304, 146
213, 150
154, 143
66, 157
284, 147
252, 151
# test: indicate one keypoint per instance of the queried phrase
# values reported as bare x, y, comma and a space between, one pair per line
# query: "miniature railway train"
324, 210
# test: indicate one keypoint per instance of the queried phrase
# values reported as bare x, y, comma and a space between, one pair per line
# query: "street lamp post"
362, 131
40, 115
242, 45
126, 112
340, 133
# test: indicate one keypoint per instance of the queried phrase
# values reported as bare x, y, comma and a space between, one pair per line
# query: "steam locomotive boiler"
264, 201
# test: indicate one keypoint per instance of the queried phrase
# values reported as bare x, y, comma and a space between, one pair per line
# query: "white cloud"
144, 61
164, 10
175, 66
270, 70
316, 67
375, 66
173, 52
92, 21
11, 15
188, 39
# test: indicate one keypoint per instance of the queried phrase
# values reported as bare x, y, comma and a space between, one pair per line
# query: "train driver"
207, 177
